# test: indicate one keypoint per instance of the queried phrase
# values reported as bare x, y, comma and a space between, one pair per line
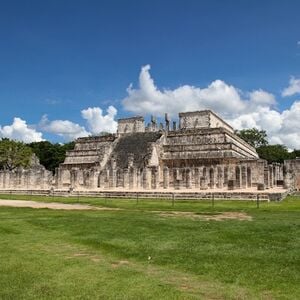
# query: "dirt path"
207, 217
50, 205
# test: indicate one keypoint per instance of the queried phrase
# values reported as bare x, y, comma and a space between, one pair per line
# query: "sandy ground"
63, 206
50, 205
208, 217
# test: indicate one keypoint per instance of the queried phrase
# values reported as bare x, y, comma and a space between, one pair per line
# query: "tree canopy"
51, 155
271, 153
14, 154
254, 137
274, 153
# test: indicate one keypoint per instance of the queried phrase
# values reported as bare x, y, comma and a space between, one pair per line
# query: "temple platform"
272, 194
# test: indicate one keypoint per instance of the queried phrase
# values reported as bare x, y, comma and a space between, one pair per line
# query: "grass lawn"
146, 251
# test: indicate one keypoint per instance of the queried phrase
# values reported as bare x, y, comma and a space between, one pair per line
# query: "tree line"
14, 154
271, 153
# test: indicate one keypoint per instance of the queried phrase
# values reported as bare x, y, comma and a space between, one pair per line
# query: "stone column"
220, 177
138, 179
114, 178
106, 178
238, 177
178, 178
30, 183
212, 180
276, 173
197, 177
266, 177
126, 178
135, 178
25, 176
147, 176
73, 179
203, 183
101, 179
58, 178
85, 179
155, 178
166, 177
110, 178
95, 176
226, 175
271, 183
188, 178
249, 177
244, 177
131, 178
119, 178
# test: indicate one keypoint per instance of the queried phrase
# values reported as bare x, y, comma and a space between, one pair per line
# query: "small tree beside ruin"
14, 154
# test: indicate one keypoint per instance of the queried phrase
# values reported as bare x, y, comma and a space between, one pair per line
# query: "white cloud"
98, 122
218, 96
64, 128
241, 110
262, 98
149, 99
19, 130
293, 88
298, 43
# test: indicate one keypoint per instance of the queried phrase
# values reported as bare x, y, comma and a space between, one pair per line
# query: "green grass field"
142, 252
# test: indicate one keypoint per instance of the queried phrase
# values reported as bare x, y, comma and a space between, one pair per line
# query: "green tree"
295, 153
14, 154
51, 155
254, 137
273, 153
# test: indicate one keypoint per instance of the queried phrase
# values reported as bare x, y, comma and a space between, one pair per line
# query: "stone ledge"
228, 195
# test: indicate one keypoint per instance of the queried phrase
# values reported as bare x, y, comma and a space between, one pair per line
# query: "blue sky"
58, 58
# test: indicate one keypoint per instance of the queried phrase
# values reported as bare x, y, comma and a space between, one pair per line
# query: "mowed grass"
139, 253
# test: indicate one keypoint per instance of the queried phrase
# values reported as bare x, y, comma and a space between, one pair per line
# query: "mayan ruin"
201, 154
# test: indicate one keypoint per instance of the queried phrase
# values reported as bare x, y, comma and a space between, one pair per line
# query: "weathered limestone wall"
292, 173
89, 152
131, 125
205, 143
34, 178
202, 119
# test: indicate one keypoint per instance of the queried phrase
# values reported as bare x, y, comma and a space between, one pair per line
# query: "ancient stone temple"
201, 153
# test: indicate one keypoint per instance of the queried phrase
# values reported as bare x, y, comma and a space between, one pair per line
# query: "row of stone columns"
272, 175
205, 177
208, 177
129, 178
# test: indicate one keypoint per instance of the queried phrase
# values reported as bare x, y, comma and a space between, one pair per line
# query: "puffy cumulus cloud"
241, 110
290, 129
281, 127
98, 122
262, 98
19, 130
64, 128
149, 99
217, 96
293, 88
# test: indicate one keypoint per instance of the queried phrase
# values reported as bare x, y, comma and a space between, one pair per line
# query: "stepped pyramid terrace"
201, 154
